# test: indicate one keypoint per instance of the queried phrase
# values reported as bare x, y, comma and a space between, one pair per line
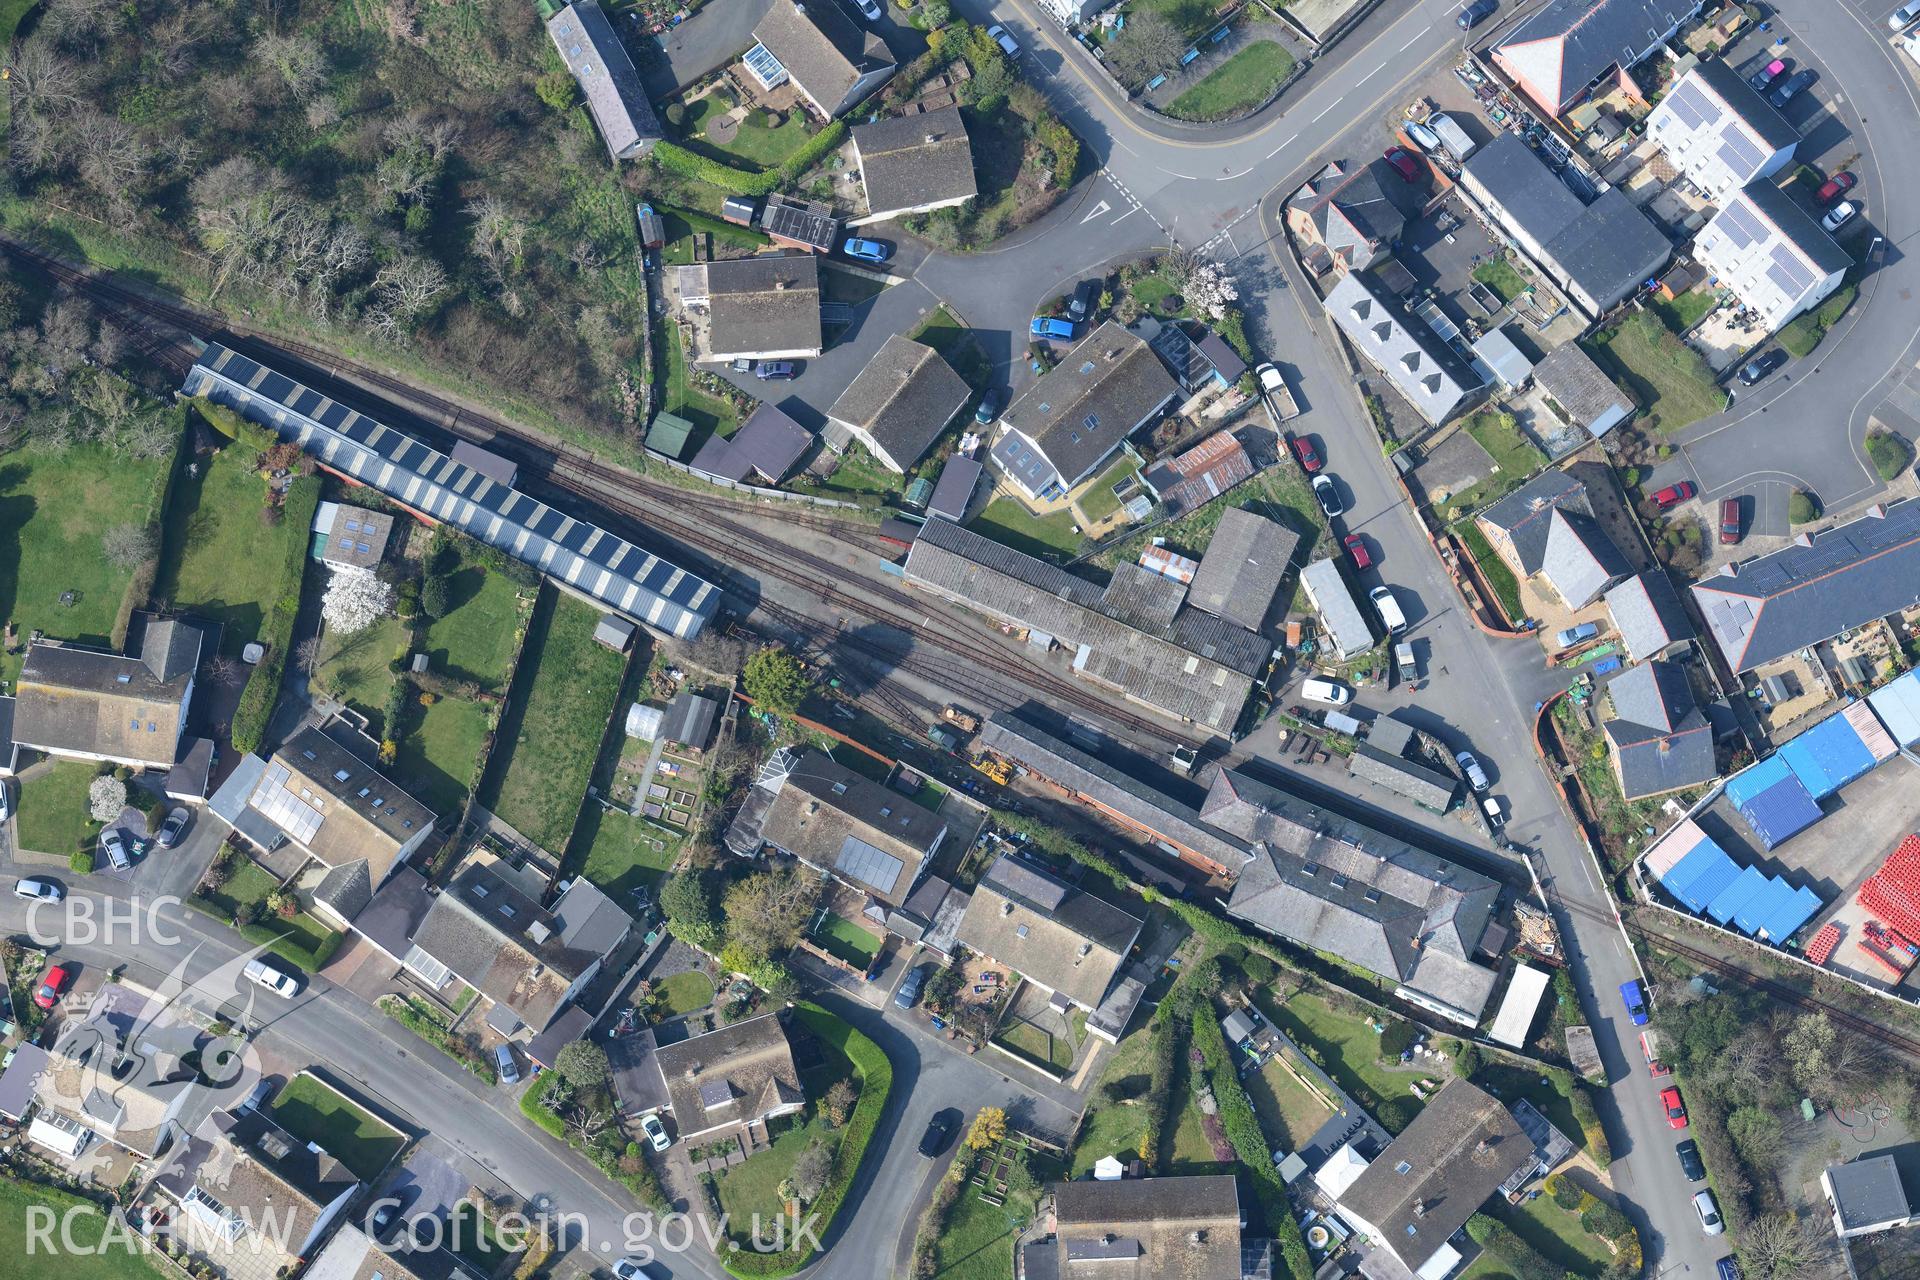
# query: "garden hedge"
436, 1034
1249, 1141
691, 164
875, 1070
262, 691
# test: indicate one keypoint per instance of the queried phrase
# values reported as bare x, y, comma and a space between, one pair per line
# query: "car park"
1690, 1163
1761, 365
1004, 38
175, 824
1730, 522
1636, 1003
909, 992
775, 370
656, 1132
1676, 1109
1051, 327
1476, 776
867, 250
1836, 186
1792, 87
1331, 692
1762, 80
1358, 550
1080, 306
1310, 460
1840, 215
1579, 633
1674, 494
262, 974
504, 1065
1328, 497
1477, 12
1709, 1211
1388, 607
115, 848
47, 994
36, 889
1403, 163
989, 406
939, 1129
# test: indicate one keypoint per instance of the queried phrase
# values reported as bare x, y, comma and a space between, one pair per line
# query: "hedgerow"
1249, 1141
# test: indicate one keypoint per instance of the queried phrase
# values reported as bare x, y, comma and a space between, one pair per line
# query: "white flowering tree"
106, 798
355, 600
1209, 291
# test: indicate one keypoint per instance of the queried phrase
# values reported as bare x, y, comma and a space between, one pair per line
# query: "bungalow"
759, 308
901, 402
1142, 1229
914, 164
737, 1077
89, 704
1059, 430
585, 37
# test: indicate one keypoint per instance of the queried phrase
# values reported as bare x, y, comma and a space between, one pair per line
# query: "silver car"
37, 890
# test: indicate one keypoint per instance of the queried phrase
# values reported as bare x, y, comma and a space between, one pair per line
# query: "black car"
1080, 306
1793, 87
386, 1210
1690, 1160
939, 1129
1762, 365
1475, 13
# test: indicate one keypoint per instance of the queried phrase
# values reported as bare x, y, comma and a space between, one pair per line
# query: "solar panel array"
1834, 549
295, 815
1687, 102
868, 865
1789, 272
1739, 224
607, 568
1737, 151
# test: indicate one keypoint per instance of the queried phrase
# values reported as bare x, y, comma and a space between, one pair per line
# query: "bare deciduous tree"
810, 1171
1147, 47
323, 111
407, 290
81, 22
1781, 1246
42, 80
297, 59
499, 235
128, 546
223, 671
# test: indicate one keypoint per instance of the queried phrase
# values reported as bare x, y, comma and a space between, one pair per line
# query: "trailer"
1650, 1047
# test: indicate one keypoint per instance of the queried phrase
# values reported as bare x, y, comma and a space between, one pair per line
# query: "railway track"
960, 662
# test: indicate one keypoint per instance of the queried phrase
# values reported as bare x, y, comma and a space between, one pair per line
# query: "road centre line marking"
1330, 106
1409, 44
1282, 147
1370, 75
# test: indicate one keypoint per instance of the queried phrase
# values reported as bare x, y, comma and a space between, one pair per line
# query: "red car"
1358, 550
1729, 522
48, 993
1310, 460
1676, 1110
1403, 163
1674, 494
1836, 186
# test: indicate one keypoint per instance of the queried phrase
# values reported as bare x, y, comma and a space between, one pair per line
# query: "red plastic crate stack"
1893, 892
1820, 949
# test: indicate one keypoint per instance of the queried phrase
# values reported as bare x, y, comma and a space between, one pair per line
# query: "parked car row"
1633, 996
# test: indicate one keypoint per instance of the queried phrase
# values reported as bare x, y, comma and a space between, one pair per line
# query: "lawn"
1500, 276
860, 474
1032, 1042
1804, 332
841, 937
1500, 435
1237, 85
54, 509
710, 415
620, 853
685, 992
1194, 17
956, 344
440, 752
1113, 1128
757, 145
679, 226
1508, 1082
53, 810
1685, 311
1007, 520
1152, 292
1499, 576
1277, 493
250, 882
1556, 1233
220, 561
310, 1111
353, 668
1189, 1152
474, 639
1349, 1051
1100, 501
302, 941
976, 1242
1289, 1112
753, 1187
550, 735
89, 1258
476, 1240
1672, 383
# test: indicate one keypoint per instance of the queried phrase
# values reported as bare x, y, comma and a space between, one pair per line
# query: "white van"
1331, 692
1905, 14
263, 974
1390, 615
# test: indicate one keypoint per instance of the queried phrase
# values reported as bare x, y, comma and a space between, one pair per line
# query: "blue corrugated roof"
1751, 781
1780, 811
1736, 897
1700, 876
1897, 703
1788, 915
1771, 895
1827, 756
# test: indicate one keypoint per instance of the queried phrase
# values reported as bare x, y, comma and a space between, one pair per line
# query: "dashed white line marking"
1409, 44
1330, 106
1370, 75
1282, 147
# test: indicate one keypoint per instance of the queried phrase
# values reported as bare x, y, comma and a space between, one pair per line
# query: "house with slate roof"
1425, 373
1661, 742
1646, 612
1330, 884
584, 35
1599, 253
901, 402
760, 308
1059, 430
1771, 253
1056, 936
1142, 1229
834, 63
1547, 527
1569, 49
739, 1076
914, 164
89, 704
1719, 132
1347, 215
1825, 583
766, 447
844, 824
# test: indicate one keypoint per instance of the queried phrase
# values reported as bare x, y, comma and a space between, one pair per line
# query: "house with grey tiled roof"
1821, 585
1055, 935
1325, 882
1646, 611
584, 35
844, 824
1059, 430
901, 402
738, 1076
1547, 527
760, 308
831, 60
1347, 214
914, 164
1142, 1229
1423, 370
90, 704
1661, 742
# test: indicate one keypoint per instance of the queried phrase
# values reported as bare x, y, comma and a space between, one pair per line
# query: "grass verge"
1236, 86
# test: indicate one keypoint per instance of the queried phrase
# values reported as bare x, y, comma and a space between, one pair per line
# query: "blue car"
1051, 327
867, 250
1635, 1001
